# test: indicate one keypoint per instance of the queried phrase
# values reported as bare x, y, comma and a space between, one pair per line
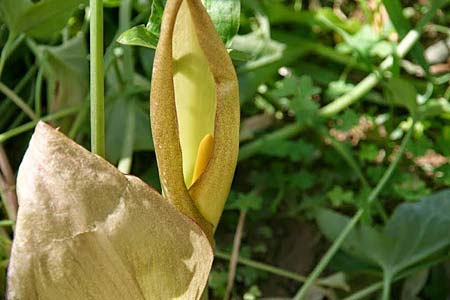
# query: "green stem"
30, 125
18, 101
38, 94
124, 24
79, 119
97, 80
262, 266
328, 255
378, 285
350, 225
17, 89
10, 45
19, 119
387, 280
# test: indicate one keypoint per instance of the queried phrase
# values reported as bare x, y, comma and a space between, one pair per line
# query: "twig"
7, 185
235, 254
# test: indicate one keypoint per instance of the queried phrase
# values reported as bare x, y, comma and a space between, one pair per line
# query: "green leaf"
338, 196
145, 36
420, 146
259, 45
224, 14
347, 120
115, 114
403, 92
368, 152
40, 19
410, 187
67, 67
414, 232
249, 201
302, 180
306, 110
139, 36
294, 150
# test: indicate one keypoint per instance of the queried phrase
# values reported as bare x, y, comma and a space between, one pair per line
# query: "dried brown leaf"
86, 231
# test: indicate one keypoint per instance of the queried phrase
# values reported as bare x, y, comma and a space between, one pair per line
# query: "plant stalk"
387, 279
30, 125
235, 254
97, 79
11, 43
18, 101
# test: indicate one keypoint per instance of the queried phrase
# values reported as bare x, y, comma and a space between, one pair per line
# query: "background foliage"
306, 166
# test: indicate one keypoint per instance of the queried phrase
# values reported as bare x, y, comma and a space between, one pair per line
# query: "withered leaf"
86, 231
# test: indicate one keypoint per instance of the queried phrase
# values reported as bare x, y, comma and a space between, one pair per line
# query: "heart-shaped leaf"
415, 232
41, 19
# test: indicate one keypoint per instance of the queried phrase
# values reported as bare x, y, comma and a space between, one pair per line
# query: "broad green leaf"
259, 45
86, 231
414, 232
154, 22
41, 19
66, 66
194, 94
249, 201
225, 15
115, 120
403, 93
138, 36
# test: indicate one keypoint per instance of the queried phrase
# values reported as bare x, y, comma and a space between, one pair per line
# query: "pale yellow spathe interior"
195, 91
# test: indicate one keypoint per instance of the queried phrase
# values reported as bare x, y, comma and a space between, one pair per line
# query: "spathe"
192, 70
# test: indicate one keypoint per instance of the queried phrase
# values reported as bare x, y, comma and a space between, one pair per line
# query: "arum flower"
194, 112
86, 231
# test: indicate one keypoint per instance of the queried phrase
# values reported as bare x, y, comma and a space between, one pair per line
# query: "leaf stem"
97, 80
30, 125
38, 94
387, 279
378, 285
10, 45
5, 106
18, 101
350, 225
262, 266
